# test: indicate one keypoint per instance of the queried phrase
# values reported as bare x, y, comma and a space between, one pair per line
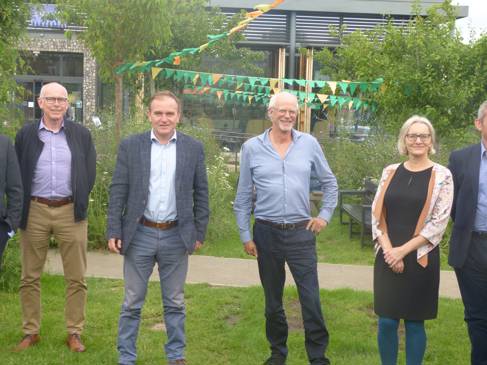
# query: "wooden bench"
357, 205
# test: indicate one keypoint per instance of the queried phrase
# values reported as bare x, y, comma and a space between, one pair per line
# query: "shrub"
221, 189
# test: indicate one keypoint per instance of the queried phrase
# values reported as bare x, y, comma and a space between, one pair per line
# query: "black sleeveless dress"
412, 295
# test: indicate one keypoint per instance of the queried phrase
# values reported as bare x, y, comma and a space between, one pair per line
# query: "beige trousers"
43, 223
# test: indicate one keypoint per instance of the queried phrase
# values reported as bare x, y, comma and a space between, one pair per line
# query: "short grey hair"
273, 100
482, 111
401, 140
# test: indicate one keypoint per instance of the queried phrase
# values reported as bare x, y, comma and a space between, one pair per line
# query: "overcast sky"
477, 17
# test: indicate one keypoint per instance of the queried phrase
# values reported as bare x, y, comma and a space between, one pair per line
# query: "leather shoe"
74, 343
177, 362
275, 360
27, 341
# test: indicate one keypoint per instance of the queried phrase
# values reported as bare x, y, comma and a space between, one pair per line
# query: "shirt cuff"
245, 236
326, 214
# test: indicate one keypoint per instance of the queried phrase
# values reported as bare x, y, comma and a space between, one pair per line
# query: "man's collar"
153, 137
43, 126
295, 134
482, 148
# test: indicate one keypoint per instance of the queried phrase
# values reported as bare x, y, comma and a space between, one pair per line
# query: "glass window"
72, 64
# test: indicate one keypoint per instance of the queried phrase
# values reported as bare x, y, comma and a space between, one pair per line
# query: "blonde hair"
401, 140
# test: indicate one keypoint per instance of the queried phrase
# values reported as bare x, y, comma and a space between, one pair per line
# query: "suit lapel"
475, 170
145, 159
180, 158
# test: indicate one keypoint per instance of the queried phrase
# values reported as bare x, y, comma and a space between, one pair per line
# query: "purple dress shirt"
52, 175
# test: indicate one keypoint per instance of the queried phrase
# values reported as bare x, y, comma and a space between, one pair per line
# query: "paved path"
243, 272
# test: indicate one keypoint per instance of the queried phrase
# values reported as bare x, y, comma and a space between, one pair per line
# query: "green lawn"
333, 246
224, 326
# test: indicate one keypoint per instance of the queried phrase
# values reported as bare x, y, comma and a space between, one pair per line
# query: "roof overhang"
380, 7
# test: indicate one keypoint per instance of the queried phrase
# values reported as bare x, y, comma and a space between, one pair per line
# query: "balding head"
53, 87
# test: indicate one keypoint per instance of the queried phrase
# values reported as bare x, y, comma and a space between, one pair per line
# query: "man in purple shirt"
58, 166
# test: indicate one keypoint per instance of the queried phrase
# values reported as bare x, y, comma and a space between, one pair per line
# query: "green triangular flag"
343, 86
289, 82
253, 80
333, 100
364, 86
301, 82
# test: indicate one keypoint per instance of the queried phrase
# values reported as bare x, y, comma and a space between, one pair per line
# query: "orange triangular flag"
216, 78
176, 61
219, 93
254, 14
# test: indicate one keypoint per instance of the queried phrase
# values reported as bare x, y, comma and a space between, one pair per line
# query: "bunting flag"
175, 57
253, 89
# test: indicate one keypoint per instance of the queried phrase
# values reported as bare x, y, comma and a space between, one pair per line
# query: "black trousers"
298, 248
4, 237
472, 280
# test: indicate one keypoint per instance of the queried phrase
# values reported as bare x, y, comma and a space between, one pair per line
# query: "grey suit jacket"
130, 189
10, 184
464, 165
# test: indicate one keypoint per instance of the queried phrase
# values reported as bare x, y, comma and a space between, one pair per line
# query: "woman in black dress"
410, 214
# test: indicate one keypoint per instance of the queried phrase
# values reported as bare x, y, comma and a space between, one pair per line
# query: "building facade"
280, 34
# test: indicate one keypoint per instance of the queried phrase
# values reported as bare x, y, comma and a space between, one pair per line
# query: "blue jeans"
151, 245
472, 280
297, 247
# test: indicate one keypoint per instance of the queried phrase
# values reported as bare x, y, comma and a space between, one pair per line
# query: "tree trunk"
118, 106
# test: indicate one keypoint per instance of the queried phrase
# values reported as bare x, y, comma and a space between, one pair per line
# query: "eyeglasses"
52, 100
414, 137
292, 113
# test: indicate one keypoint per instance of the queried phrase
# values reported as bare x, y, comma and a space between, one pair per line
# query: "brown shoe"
27, 341
177, 362
74, 343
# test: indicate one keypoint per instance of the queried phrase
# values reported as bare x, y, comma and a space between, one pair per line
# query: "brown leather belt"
283, 226
159, 225
52, 203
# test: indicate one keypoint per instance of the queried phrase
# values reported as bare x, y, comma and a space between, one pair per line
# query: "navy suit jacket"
129, 190
464, 165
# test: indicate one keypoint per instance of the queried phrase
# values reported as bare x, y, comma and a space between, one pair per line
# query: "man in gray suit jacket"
11, 189
158, 212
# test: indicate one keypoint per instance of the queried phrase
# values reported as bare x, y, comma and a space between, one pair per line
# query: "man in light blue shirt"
279, 164
468, 242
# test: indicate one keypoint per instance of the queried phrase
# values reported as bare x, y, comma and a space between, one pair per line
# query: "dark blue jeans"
297, 247
472, 280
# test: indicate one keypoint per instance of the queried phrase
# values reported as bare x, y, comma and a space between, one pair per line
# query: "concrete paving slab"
233, 272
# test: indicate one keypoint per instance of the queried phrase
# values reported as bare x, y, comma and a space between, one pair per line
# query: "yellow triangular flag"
196, 78
322, 97
263, 7
332, 85
155, 72
276, 90
350, 104
250, 98
273, 83
203, 47
219, 93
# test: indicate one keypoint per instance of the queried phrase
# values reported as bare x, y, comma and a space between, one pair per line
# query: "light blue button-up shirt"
480, 223
161, 203
282, 185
